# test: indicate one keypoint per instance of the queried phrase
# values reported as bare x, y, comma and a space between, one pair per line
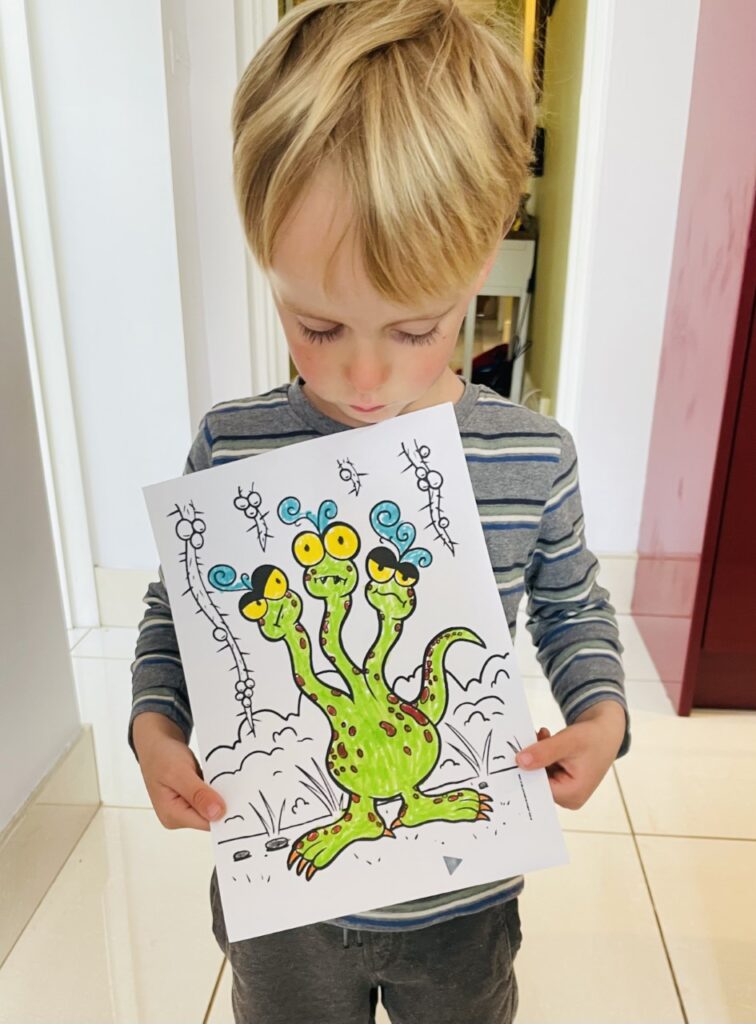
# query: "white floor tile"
124, 934
591, 951
692, 776
107, 642
704, 893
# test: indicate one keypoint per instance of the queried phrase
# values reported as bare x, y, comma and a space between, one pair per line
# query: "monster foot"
317, 848
455, 805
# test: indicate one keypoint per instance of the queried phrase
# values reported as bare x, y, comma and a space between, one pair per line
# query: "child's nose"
366, 371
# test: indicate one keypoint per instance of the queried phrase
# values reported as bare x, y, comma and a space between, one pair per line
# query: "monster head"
393, 574
327, 552
266, 600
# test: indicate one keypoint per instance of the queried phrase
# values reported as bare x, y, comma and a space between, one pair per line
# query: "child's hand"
172, 775
578, 757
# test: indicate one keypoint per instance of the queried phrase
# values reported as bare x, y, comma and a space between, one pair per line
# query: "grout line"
681, 835
87, 629
214, 993
654, 908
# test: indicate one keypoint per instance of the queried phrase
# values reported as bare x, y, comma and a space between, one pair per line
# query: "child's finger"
547, 751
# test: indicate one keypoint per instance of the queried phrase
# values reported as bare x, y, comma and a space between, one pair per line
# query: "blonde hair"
428, 115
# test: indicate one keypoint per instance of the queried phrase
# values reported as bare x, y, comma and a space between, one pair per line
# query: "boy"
380, 150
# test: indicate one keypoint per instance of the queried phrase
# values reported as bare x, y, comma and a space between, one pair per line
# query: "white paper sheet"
385, 772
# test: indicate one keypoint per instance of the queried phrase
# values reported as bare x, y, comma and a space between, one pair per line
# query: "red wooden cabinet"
696, 610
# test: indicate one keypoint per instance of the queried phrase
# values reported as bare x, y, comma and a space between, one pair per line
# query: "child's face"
365, 369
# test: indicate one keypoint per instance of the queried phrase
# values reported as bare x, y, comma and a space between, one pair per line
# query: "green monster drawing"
381, 747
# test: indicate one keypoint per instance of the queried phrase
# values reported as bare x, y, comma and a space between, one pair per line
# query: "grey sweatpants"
457, 972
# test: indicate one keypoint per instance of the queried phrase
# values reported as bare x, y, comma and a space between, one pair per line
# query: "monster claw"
394, 824
293, 858
310, 872
389, 833
301, 866
482, 817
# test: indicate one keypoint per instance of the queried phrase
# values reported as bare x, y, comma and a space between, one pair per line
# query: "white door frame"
588, 162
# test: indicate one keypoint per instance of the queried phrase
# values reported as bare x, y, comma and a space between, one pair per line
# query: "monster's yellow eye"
308, 549
254, 609
341, 541
276, 585
406, 574
380, 573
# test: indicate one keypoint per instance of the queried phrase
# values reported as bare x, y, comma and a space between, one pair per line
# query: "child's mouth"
368, 408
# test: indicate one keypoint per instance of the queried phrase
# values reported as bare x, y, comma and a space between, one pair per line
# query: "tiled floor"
653, 920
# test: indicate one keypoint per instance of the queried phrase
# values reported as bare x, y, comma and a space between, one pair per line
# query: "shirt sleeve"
570, 618
157, 675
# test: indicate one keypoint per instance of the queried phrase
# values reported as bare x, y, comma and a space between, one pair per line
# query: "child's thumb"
202, 798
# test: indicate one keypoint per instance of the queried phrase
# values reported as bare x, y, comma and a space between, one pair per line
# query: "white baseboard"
39, 839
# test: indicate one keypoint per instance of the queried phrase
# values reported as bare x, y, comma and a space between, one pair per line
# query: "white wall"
39, 714
100, 86
632, 214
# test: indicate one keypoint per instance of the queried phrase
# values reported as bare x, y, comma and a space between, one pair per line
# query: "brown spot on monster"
407, 751
312, 836
356, 671
376, 676
400, 716
453, 797
342, 750
302, 643
414, 713
360, 752
337, 693
299, 627
352, 768
424, 694
336, 829
352, 730
388, 728
428, 736
397, 627
313, 697
298, 845
408, 728
331, 709
356, 798
299, 680
347, 816
438, 800
393, 699
371, 816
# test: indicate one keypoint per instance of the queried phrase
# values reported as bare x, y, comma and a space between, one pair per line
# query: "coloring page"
351, 675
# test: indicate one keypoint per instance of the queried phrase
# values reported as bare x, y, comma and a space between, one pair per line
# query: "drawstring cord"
346, 938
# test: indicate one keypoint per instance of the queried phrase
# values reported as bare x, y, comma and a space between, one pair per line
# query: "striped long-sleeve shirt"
524, 473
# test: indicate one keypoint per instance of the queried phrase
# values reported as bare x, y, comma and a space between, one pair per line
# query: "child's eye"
412, 339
